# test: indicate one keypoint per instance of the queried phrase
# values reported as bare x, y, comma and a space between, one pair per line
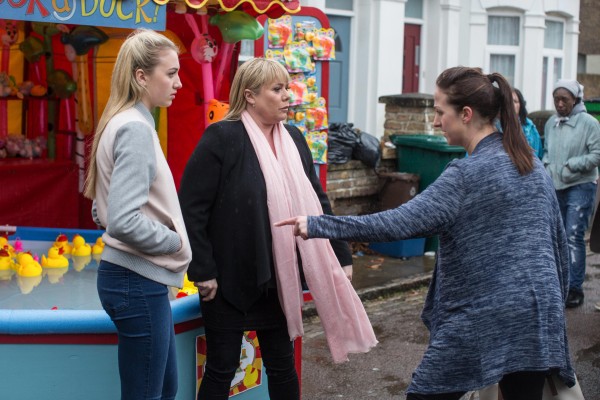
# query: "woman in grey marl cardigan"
495, 306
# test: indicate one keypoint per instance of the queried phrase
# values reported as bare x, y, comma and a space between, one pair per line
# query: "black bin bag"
367, 149
341, 142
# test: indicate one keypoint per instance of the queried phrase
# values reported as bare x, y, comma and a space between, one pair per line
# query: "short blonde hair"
252, 75
141, 50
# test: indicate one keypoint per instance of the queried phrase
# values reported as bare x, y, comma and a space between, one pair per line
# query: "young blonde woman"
495, 307
135, 200
247, 172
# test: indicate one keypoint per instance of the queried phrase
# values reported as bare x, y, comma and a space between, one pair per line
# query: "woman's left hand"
207, 289
300, 225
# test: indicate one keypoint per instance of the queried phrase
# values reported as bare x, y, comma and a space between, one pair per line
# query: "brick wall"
591, 84
353, 188
405, 114
589, 39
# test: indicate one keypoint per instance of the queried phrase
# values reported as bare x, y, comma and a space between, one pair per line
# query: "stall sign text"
112, 13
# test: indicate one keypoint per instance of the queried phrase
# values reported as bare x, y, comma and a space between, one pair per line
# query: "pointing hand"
299, 223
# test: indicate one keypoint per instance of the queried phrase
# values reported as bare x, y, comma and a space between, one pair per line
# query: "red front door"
412, 46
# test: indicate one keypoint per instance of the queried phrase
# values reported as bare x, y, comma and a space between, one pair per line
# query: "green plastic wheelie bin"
427, 156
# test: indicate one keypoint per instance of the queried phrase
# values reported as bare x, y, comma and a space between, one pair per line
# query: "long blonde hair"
252, 75
141, 50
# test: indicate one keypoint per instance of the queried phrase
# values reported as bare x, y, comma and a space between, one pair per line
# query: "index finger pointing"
289, 221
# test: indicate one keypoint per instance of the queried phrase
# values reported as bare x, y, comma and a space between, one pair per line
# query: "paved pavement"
375, 275
393, 292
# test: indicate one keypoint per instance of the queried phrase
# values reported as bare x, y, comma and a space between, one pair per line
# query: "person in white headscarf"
571, 157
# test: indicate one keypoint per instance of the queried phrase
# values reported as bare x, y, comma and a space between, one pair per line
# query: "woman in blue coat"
495, 306
529, 130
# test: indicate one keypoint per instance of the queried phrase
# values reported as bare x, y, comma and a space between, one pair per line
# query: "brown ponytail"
469, 87
513, 139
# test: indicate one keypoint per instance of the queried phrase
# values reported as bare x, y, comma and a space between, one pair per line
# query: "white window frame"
494, 49
552, 54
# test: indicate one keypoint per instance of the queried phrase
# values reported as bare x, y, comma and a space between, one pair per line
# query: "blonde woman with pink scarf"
246, 173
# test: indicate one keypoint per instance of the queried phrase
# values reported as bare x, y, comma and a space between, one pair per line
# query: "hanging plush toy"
216, 110
206, 48
8, 37
234, 27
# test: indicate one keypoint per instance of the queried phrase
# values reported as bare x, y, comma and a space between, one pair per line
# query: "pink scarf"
290, 193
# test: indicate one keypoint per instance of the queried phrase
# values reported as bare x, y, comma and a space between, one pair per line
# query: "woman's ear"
467, 114
140, 77
249, 96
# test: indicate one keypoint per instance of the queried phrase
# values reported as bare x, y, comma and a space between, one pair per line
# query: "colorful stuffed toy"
216, 110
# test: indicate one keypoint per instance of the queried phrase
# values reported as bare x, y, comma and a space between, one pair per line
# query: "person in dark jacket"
245, 173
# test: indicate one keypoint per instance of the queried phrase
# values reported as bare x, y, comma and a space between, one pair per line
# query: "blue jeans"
140, 309
576, 206
223, 358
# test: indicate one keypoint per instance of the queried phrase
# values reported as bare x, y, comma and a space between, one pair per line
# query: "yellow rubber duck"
98, 247
79, 262
54, 275
55, 259
6, 261
188, 288
62, 242
7, 246
6, 275
27, 283
6, 265
97, 258
80, 247
4, 242
26, 266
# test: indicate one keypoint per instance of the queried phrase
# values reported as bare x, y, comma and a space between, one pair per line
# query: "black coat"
224, 203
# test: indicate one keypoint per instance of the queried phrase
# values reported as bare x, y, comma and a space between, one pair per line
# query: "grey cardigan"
137, 202
496, 300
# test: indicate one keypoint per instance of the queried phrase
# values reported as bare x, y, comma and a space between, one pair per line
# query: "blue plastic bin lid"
425, 141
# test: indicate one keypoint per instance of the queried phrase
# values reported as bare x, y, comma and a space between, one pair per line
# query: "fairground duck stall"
56, 59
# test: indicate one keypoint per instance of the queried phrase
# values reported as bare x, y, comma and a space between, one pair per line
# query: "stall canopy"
132, 14
272, 8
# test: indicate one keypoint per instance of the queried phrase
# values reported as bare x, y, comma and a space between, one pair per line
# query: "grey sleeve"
427, 214
591, 160
133, 174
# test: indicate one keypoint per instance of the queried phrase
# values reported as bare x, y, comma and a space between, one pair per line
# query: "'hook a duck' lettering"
113, 13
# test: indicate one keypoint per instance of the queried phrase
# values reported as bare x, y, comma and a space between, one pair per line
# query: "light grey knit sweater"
136, 201
496, 300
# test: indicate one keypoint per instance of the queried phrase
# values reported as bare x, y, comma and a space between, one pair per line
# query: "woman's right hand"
300, 225
207, 289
